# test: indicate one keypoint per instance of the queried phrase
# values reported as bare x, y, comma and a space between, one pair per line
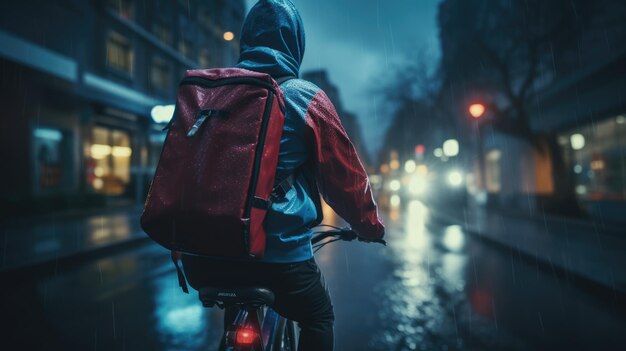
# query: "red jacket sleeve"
341, 178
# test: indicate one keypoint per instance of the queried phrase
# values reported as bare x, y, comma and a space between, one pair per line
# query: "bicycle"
257, 326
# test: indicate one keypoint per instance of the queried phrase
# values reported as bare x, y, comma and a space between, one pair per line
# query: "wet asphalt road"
433, 288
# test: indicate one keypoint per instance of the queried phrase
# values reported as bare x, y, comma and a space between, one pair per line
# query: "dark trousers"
299, 288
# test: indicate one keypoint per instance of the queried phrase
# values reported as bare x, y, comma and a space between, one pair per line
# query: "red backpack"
215, 179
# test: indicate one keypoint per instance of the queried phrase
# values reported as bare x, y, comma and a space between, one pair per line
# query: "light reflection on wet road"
432, 288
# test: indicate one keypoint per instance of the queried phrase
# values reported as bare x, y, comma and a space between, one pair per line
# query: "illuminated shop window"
109, 161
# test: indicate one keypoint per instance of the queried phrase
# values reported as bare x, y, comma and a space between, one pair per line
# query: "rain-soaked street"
491, 133
434, 287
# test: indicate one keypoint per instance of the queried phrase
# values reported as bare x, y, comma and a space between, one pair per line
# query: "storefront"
53, 150
596, 157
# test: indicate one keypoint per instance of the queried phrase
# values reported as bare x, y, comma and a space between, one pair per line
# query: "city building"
582, 106
79, 81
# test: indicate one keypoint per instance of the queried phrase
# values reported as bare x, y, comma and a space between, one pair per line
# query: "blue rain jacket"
313, 142
272, 42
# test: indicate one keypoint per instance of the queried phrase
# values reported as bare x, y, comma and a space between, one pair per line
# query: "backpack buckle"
282, 188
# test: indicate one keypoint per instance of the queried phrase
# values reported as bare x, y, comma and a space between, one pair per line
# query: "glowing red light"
245, 336
420, 149
477, 110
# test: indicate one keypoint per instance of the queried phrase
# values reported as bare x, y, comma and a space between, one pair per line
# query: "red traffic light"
477, 110
420, 149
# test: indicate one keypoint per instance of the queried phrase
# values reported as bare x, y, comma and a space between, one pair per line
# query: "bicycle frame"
249, 321
260, 328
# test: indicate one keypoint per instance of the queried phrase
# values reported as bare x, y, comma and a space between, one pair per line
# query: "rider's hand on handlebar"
378, 241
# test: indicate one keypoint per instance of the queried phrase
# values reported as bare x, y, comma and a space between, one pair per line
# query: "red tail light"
245, 336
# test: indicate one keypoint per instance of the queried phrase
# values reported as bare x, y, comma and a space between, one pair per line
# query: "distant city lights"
455, 178
422, 170
438, 152
577, 141
395, 201
410, 166
394, 185
417, 185
451, 148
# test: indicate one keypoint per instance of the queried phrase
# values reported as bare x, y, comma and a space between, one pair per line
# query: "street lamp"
229, 36
477, 110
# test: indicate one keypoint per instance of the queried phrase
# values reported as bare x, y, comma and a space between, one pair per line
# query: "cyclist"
317, 151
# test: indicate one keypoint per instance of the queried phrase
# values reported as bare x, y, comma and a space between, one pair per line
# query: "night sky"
358, 41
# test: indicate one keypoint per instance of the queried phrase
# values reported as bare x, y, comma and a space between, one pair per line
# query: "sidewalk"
575, 247
28, 242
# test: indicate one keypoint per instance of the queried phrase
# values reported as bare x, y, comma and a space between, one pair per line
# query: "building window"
204, 19
163, 32
184, 47
492, 171
123, 8
109, 161
160, 74
119, 53
204, 59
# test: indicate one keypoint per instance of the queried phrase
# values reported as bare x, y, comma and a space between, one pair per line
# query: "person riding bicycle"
316, 150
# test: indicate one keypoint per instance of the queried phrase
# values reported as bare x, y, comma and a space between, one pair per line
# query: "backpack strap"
281, 80
182, 281
278, 192
283, 187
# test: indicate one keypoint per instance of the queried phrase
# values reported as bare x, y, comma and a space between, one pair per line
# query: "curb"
608, 294
53, 266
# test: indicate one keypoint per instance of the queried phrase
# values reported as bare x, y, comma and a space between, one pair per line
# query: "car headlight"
455, 178
394, 185
417, 185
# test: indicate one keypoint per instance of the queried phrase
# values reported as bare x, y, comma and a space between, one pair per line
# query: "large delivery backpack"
215, 180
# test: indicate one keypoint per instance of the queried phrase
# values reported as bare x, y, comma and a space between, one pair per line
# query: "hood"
272, 39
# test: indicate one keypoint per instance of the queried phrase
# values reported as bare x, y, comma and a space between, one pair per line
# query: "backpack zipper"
209, 83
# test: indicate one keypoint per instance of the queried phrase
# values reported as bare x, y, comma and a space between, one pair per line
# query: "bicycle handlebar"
344, 234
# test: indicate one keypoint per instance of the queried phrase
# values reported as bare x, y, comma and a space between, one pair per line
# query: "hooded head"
272, 39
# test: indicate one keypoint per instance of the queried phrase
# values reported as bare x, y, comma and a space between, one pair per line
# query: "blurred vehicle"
447, 180
441, 183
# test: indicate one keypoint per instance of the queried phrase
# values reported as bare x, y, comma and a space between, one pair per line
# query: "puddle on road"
426, 300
